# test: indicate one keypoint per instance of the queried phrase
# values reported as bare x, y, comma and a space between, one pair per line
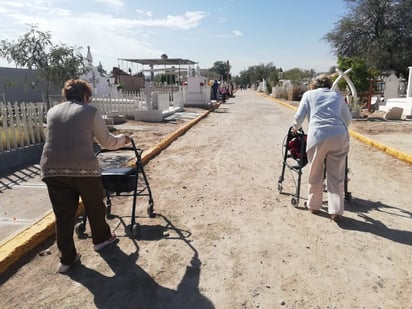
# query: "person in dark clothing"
215, 89
71, 170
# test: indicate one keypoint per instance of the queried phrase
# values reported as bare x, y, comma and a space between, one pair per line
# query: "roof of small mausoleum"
161, 61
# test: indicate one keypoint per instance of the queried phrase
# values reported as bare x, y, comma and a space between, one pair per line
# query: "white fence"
22, 124
132, 102
125, 106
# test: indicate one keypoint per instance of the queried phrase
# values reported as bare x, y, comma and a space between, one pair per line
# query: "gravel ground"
224, 237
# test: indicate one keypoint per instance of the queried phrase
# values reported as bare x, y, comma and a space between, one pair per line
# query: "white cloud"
12, 4
144, 13
186, 21
114, 4
237, 33
109, 36
234, 33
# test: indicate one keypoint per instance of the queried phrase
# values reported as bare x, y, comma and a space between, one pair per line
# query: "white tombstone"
407, 111
391, 87
404, 103
196, 92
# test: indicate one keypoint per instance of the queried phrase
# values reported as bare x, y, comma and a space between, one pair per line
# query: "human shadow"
376, 227
364, 206
132, 287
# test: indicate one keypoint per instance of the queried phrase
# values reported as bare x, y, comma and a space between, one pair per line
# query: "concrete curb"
17, 247
389, 150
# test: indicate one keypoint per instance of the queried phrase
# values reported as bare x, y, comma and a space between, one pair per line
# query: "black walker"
294, 158
124, 181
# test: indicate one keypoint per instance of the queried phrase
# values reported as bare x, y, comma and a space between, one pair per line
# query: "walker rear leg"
348, 195
150, 206
284, 163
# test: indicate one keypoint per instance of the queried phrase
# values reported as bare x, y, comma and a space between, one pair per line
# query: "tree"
379, 31
257, 73
360, 74
54, 63
298, 75
222, 68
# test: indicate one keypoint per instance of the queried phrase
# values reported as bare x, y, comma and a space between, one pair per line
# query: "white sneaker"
65, 268
98, 247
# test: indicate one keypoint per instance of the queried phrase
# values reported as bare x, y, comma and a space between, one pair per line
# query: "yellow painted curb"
17, 247
12, 250
154, 151
285, 104
389, 150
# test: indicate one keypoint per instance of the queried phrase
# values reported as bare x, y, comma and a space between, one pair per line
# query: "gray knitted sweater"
71, 130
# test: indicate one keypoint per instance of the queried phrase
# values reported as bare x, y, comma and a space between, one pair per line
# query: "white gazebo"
196, 91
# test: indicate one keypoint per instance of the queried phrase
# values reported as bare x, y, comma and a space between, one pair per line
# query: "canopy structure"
161, 62
165, 61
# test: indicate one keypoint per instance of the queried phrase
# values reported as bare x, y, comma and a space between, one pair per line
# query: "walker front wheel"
280, 187
136, 229
150, 209
80, 228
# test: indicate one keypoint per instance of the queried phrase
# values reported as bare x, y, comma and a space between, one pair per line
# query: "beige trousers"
330, 154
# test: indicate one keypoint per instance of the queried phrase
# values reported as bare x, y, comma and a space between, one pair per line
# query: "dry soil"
224, 237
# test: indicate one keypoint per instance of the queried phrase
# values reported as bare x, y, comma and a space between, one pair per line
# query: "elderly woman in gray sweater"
327, 143
71, 170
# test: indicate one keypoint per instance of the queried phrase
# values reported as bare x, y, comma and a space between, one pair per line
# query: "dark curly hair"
77, 90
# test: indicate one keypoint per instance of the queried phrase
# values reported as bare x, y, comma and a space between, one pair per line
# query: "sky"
287, 34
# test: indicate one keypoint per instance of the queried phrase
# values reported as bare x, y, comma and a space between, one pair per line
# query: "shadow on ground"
369, 225
132, 287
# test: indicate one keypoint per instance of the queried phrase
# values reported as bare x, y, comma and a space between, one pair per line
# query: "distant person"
327, 143
215, 89
222, 91
71, 170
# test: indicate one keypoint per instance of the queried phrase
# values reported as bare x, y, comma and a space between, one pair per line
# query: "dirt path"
225, 238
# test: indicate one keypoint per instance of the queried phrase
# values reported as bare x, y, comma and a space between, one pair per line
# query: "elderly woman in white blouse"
327, 143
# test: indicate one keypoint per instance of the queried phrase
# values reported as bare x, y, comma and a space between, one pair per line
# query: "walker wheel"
79, 228
280, 187
135, 229
294, 201
150, 210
